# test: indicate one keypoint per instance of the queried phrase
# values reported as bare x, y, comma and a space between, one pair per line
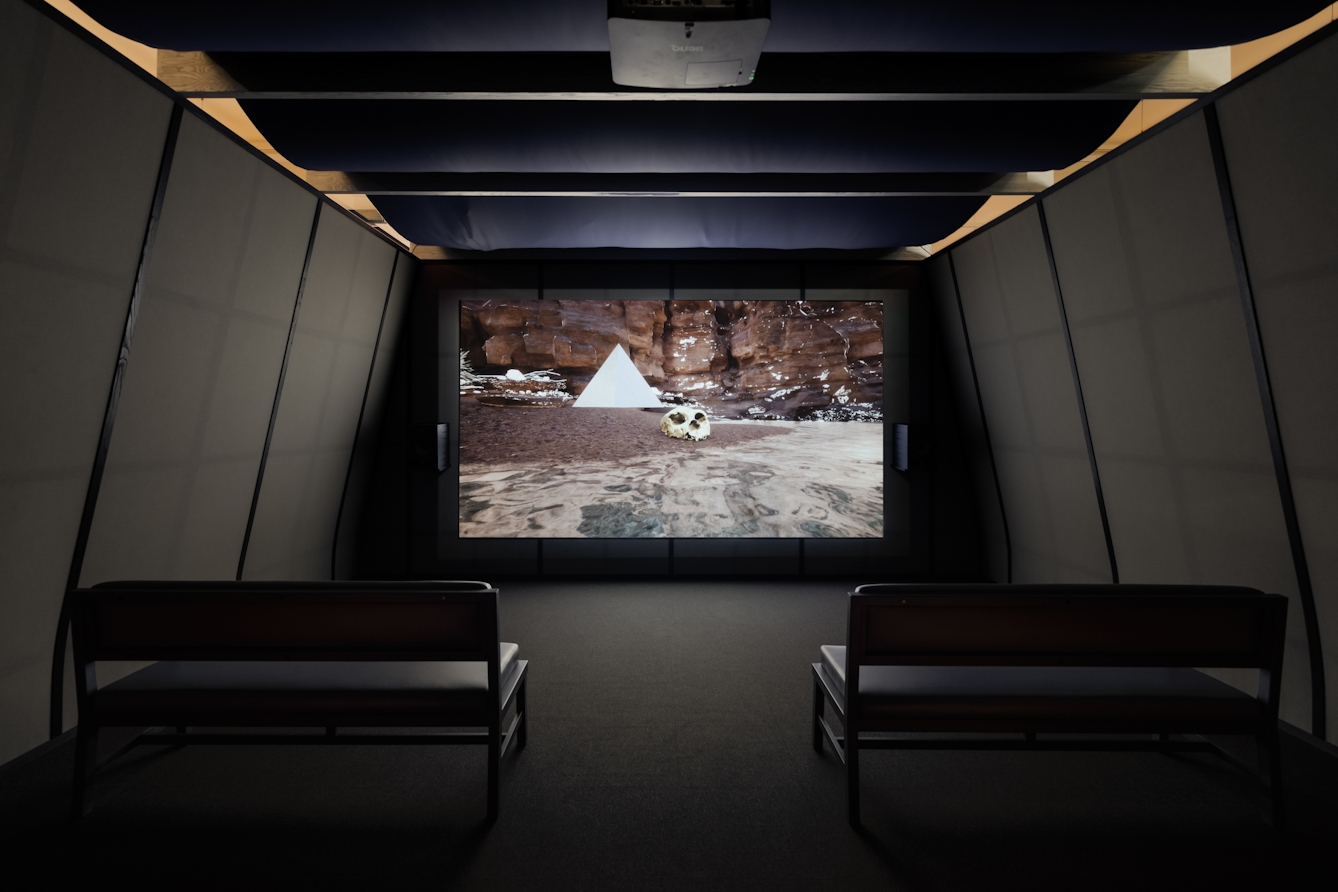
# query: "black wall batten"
984, 425
353, 452
424, 409
922, 451
1246, 291
1077, 389
109, 420
278, 389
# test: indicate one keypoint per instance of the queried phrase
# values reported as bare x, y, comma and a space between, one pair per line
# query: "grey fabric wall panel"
364, 456
80, 145
316, 425
1031, 405
1172, 401
1280, 134
201, 379
974, 441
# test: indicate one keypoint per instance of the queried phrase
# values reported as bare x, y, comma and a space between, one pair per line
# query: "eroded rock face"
805, 354
572, 336
695, 356
773, 359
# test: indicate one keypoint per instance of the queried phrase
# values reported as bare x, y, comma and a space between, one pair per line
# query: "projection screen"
672, 418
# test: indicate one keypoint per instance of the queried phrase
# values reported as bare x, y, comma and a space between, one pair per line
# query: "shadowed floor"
669, 749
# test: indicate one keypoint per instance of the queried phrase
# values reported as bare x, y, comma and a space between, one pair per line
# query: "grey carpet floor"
669, 749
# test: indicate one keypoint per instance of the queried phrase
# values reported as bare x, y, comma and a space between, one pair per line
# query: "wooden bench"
402, 655
1052, 659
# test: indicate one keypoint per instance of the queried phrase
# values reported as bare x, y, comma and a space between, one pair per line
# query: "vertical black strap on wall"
539, 544
984, 425
803, 295
57, 718
278, 389
1246, 289
424, 395
671, 538
1077, 389
357, 430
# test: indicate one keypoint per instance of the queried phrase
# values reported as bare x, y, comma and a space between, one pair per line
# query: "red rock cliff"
776, 359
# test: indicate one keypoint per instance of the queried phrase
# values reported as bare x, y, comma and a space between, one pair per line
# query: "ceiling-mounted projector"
682, 44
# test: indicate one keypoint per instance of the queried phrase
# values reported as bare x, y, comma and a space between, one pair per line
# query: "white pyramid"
619, 385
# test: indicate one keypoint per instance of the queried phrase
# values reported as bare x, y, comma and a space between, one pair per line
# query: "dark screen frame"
436, 550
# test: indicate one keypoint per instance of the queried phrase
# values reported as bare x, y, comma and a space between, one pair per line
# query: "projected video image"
651, 419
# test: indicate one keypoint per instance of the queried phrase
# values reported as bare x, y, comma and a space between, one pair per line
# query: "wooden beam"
195, 74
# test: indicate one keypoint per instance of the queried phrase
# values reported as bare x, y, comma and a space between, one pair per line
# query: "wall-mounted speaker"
432, 446
901, 452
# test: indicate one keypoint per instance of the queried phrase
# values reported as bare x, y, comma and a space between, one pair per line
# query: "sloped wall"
80, 145
209, 344
316, 424
82, 142
1031, 407
1163, 352
1280, 136
978, 458
1177, 389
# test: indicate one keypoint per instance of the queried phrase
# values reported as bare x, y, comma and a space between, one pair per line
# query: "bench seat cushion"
1076, 695
299, 693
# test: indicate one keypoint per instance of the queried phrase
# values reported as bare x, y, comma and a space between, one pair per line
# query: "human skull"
686, 424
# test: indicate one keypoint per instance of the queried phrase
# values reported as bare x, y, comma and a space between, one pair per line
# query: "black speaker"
432, 446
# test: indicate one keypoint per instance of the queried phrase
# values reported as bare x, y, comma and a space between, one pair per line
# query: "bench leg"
85, 763
1270, 776
852, 772
819, 703
522, 730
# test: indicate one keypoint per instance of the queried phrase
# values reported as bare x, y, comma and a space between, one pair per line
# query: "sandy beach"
611, 473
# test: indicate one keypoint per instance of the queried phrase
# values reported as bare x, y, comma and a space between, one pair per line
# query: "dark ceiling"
871, 124
683, 137
797, 26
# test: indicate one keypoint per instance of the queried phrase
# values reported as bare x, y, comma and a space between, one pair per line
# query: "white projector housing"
686, 44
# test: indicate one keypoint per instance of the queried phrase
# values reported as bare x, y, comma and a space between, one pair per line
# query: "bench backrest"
1066, 625
286, 621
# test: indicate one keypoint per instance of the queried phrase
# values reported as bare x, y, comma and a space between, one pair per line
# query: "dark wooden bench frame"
1057, 625
316, 621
